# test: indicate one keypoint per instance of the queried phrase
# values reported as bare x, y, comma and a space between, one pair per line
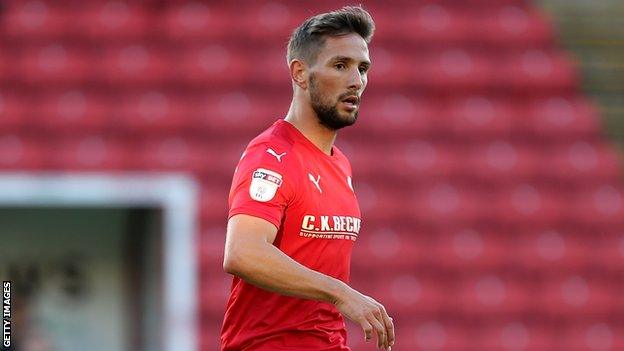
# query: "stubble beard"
328, 114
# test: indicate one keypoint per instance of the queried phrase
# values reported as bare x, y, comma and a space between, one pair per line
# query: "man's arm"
250, 255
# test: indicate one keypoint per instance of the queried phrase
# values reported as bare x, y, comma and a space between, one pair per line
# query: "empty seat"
135, 64
599, 204
583, 161
536, 70
113, 20
561, 116
53, 64
36, 20
194, 21
576, 295
526, 203
88, 152
23, 152
512, 24
72, 111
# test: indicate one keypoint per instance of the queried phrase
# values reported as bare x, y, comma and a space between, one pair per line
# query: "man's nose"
355, 79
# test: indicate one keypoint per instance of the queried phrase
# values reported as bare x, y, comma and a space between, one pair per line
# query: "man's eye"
340, 66
363, 69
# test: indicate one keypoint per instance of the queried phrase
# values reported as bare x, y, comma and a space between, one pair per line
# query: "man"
293, 215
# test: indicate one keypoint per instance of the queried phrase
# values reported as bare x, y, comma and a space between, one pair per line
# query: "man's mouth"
351, 102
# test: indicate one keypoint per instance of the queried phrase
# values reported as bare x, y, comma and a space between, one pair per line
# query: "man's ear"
299, 73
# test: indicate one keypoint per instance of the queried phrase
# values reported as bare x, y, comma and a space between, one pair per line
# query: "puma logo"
316, 181
278, 157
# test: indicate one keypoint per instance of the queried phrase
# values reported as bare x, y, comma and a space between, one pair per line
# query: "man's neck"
305, 120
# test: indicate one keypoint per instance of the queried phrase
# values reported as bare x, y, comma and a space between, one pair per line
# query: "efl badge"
264, 184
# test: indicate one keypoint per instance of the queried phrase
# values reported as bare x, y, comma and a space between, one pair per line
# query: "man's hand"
369, 314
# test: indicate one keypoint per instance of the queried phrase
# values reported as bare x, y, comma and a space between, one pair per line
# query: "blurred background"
485, 158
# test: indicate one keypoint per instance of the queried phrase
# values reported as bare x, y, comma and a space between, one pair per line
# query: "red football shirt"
285, 179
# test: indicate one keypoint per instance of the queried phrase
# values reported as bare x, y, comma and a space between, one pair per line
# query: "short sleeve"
262, 185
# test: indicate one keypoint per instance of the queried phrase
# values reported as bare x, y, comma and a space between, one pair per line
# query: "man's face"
337, 80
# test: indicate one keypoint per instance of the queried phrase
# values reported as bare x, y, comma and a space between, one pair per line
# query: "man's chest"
326, 207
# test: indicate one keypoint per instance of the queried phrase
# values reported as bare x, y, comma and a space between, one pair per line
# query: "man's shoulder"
276, 137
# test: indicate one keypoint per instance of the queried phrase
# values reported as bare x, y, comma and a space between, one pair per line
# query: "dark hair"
310, 35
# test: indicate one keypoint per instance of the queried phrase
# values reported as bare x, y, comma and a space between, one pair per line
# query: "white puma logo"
278, 157
315, 181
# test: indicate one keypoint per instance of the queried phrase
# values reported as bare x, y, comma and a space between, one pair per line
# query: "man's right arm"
251, 255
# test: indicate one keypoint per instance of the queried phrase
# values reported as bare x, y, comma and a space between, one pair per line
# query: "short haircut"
309, 37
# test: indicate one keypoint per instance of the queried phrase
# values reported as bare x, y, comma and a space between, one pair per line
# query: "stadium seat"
499, 161
600, 204
88, 152
480, 116
576, 295
515, 335
36, 20
13, 113
71, 112
582, 161
537, 69
513, 25
135, 65
54, 64
526, 203
22, 153
194, 21
113, 21
561, 116
591, 335
214, 64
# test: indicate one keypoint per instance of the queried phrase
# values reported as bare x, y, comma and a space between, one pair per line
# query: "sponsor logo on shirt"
330, 227
264, 184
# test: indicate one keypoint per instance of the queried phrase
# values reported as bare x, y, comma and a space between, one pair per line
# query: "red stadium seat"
409, 161
547, 250
135, 64
500, 161
493, 295
213, 201
526, 203
214, 64
575, 295
536, 69
36, 20
446, 203
510, 24
194, 21
592, 335
515, 335
89, 152
215, 289
583, 161
384, 244
22, 153
463, 248
453, 70
609, 250
72, 111
600, 204
425, 24
559, 116
54, 64
479, 115
13, 113
236, 112
398, 113
113, 20
152, 111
